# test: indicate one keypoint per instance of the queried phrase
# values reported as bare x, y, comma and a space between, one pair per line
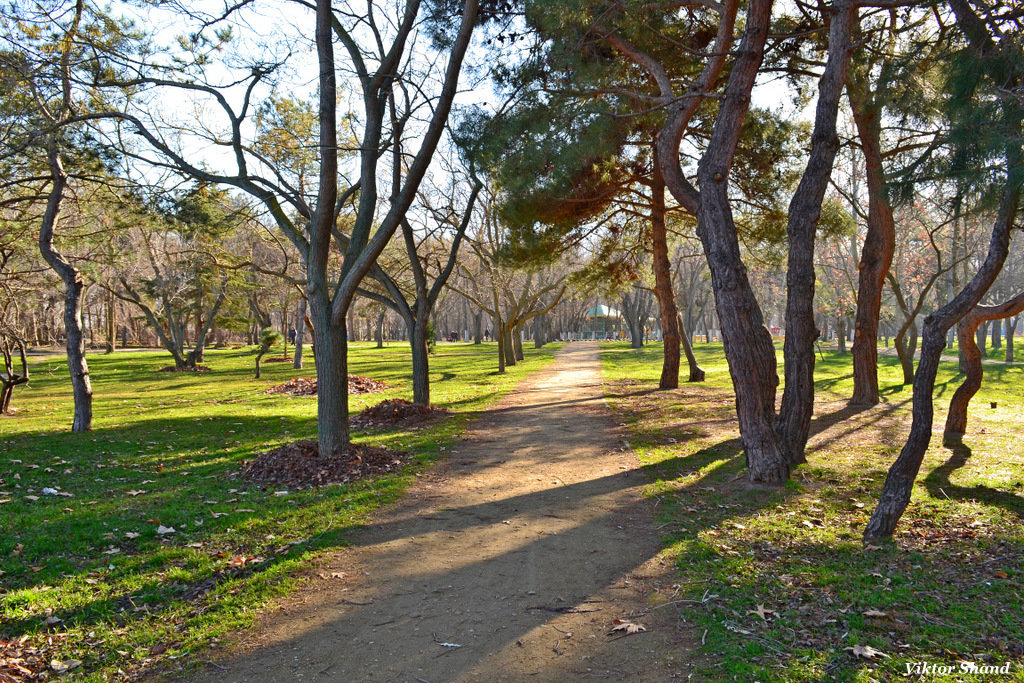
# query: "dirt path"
522, 548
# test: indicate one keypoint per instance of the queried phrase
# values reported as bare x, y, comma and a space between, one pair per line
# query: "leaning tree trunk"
663, 285
900, 481
748, 344
793, 425
956, 419
697, 373
905, 351
74, 287
10, 379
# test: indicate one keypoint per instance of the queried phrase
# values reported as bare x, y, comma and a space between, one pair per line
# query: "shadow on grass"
939, 485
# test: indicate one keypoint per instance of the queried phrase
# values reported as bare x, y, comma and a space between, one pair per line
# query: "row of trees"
626, 133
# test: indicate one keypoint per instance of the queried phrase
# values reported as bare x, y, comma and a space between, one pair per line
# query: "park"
451, 340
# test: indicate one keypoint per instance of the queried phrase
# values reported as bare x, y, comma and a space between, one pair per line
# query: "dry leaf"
628, 627
65, 666
866, 651
762, 612
138, 492
1001, 575
876, 613
164, 530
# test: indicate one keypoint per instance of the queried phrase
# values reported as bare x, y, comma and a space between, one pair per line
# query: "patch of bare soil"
306, 386
22, 662
529, 553
300, 465
172, 368
397, 412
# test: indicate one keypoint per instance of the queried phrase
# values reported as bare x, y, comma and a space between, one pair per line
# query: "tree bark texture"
748, 344
420, 361
876, 254
956, 418
697, 373
74, 286
794, 421
900, 481
663, 285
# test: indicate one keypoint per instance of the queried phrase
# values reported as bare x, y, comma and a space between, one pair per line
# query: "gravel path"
511, 560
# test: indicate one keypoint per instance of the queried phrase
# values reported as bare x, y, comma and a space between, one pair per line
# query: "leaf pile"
397, 412
278, 359
20, 662
300, 465
306, 386
173, 368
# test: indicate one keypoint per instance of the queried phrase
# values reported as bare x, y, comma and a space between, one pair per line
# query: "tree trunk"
900, 480
877, 253
793, 424
540, 331
1011, 329
111, 322
905, 352
379, 330
420, 360
697, 373
840, 333
982, 337
663, 285
517, 342
74, 287
997, 329
332, 380
499, 333
299, 334
510, 351
748, 345
956, 418
478, 335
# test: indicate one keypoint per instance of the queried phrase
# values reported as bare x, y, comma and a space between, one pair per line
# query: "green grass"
950, 588
167, 449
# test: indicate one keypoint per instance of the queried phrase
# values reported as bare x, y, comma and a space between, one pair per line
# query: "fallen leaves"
165, 530
299, 465
306, 386
21, 661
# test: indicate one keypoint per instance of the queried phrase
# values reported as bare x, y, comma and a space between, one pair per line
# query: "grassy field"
86, 574
776, 584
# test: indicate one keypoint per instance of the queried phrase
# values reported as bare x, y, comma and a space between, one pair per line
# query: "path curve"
522, 548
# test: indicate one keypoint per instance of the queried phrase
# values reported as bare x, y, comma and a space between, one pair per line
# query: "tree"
984, 76
162, 283
956, 418
422, 249
381, 59
771, 446
268, 337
